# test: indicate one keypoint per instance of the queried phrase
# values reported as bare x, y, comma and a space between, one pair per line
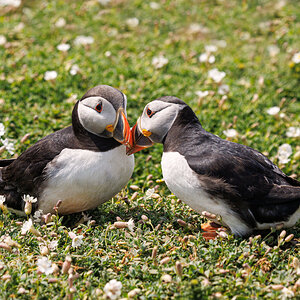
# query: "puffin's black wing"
24, 173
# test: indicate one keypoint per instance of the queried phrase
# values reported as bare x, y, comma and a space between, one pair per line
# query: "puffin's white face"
153, 125
157, 118
96, 115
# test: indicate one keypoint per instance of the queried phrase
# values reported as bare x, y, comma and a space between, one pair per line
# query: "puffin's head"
155, 122
102, 111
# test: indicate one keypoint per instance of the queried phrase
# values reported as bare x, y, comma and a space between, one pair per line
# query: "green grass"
31, 105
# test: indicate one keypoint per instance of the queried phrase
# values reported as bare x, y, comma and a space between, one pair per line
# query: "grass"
241, 268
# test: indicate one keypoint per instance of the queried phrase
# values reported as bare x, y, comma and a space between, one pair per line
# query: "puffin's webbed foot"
212, 227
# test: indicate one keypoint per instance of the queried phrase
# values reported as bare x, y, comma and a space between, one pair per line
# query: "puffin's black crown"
171, 99
114, 96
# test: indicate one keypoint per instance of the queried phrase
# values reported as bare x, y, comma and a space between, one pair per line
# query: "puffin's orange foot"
210, 230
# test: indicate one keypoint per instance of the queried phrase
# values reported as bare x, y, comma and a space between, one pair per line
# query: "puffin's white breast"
184, 183
84, 179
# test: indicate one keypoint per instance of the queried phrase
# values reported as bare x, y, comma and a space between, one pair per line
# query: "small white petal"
131, 225
50, 75
74, 70
284, 152
273, 50
273, 110
63, 47
216, 75
223, 89
296, 58
2, 39
231, 133
2, 129
14, 3
159, 61
112, 289
45, 265
154, 5
61, 22
83, 40
132, 22
202, 94
293, 132
211, 48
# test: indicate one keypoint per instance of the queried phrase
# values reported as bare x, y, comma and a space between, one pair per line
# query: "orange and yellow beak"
140, 139
121, 130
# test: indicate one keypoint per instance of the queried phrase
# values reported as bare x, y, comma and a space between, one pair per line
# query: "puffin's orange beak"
121, 131
140, 140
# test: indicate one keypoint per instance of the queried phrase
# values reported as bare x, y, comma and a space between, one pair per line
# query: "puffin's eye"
150, 113
98, 107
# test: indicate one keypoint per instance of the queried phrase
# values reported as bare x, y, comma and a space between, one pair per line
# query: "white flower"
37, 216
2, 39
45, 265
107, 53
216, 75
9, 146
77, 240
50, 75
103, 2
273, 110
27, 226
14, 3
231, 133
53, 245
28, 198
2, 200
293, 132
211, 48
19, 27
286, 293
205, 57
154, 5
273, 50
2, 129
61, 22
149, 193
132, 22
296, 58
159, 61
130, 225
63, 47
223, 89
83, 40
202, 94
112, 289
284, 152
220, 43
197, 28
74, 70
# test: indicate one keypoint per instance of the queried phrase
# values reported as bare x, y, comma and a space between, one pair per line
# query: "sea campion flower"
61, 22
149, 193
296, 58
132, 22
202, 94
154, 5
37, 217
207, 57
28, 203
9, 146
284, 152
77, 240
63, 47
273, 110
45, 265
273, 50
28, 226
50, 75
293, 132
130, 225
2, 129
112, 289
231, 133
74, 70
83, 40
216, 75
223, 89
14, 3
2, 39
159, 61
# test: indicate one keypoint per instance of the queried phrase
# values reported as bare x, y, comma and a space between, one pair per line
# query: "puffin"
230, 180
82, 165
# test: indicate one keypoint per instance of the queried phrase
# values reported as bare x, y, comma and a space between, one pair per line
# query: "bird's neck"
184, 129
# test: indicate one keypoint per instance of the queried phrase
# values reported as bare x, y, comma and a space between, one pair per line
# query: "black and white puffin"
82, 165
208, 173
